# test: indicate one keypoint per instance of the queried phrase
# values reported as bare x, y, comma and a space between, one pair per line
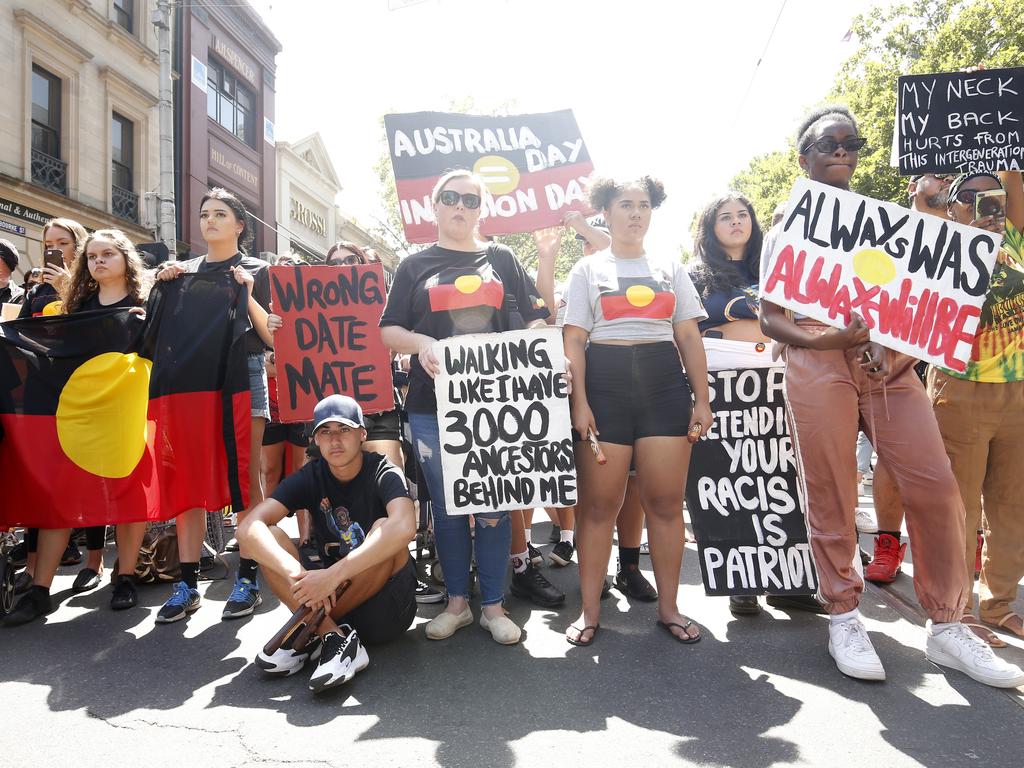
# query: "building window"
125, 203
230, 103
124, 14
47, 168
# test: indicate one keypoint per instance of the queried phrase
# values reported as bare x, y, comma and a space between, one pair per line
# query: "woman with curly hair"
630, 318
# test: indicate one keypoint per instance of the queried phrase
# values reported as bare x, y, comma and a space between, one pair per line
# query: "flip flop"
685, 639
984, 633
580, 630
1002, 624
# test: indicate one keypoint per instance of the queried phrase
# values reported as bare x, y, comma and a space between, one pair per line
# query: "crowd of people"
639, 400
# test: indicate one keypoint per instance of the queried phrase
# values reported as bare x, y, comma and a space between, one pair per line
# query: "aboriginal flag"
464, 289
640, 297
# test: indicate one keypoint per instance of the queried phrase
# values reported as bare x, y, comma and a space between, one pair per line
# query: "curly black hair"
716, 272
810, 122
603, 190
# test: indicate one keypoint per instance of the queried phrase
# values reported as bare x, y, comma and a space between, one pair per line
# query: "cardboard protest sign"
961, 122
742, 489
9, 312
503, 414
535, 167
330, 343
917, 280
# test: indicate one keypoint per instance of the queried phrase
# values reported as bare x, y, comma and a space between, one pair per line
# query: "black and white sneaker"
561, 554
285, 662
341, 658
535, 555
427, 594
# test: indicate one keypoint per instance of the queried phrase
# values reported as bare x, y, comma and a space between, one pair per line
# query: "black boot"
531, 585
35, 603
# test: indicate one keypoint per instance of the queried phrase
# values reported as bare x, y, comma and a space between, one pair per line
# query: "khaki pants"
828, 398
982, 425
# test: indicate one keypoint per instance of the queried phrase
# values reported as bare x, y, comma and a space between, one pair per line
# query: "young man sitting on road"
362, 522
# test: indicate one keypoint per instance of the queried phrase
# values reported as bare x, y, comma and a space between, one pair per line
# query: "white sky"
656, 87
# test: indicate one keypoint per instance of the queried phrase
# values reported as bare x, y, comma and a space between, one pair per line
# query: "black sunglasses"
349, 261
968, 196
450, 197
827, 145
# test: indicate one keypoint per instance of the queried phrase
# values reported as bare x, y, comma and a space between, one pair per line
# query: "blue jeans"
864, 451
451, 532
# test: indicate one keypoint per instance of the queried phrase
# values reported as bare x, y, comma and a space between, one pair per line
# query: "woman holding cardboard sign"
628, 321
833, 378
456, 287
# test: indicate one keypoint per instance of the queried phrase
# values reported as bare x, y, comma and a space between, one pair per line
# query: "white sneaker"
958, 648
850, 646
342, 657
866, 522
285, 662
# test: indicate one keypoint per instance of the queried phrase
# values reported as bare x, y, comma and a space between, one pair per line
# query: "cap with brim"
337, 409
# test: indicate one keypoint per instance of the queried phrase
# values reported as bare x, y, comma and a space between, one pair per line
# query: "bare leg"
888, 506
390, 448
255, 487
629, 525
271, 464
129, 539
52, 543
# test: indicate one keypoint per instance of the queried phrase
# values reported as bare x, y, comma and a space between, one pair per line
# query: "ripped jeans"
451, 532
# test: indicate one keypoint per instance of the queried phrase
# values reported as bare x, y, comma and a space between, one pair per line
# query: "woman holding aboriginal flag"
109, 275
629, 319
455, 287
224, 225
832, 377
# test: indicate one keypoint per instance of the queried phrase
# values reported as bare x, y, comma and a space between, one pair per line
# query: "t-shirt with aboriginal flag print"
443, 293
998, 353
630, 299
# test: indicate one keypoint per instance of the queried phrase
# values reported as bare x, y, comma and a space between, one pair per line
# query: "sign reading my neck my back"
917, 280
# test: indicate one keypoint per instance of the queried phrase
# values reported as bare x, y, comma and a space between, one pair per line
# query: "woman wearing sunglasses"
981, 411
832, 378
492, 293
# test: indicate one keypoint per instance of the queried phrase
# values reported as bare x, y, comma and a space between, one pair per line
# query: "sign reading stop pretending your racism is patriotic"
330, 342
503, 414
917, 280
960, 122
535, 167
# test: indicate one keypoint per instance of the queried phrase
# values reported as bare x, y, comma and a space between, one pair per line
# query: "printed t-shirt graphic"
464, 288
644, 297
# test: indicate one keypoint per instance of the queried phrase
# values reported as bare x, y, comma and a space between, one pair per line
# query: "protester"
33, 277
629, 319
109, 276
10, 292
224, 225
829, 376
981, 415
417, 316
728, 246
363, 520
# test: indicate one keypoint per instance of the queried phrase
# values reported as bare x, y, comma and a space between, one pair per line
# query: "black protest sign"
742, 491
330, 343
503, 416
960, 122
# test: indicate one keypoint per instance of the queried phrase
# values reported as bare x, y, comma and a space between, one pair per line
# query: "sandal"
685, 639
592, 628
1003, 622
985, 634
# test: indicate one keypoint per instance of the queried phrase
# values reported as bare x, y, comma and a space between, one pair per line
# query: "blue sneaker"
243, 599
183, 601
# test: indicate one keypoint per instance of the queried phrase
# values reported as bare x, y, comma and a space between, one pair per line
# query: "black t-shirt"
93, 302
342, 513
11, 294
443, 293
37, 299
260, 272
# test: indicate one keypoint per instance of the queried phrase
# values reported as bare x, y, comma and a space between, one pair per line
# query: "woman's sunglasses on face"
451, 198
827, 145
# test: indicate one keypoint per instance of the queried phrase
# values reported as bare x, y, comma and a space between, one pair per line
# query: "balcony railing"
49, 172
125, 204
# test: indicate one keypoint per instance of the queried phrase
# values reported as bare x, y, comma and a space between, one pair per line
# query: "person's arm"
574, 341
1014, 186
407, 342
255, 535
257, 314
776, 325
695, 363
382, 542
598, 239
548, 242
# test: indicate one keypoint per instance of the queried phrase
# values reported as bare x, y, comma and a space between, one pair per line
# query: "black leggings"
95, 538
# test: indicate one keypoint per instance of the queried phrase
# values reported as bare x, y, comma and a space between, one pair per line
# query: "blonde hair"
459, 173
81, 286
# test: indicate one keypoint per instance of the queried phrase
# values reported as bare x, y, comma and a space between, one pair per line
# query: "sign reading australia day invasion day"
503, 414
534, 166
961, 122
917, 280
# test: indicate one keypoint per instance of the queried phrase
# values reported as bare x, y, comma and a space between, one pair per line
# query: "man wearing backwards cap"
10, 293
362, 522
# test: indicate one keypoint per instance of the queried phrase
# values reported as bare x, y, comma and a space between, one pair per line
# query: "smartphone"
53, 257
991, 202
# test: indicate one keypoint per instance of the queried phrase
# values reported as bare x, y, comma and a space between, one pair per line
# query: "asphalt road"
90, 687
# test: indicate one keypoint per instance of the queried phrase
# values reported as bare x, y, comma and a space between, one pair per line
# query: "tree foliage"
912, 38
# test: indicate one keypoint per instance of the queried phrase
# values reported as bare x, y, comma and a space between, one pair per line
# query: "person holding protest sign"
224, 225
833, 377
363, 520
629, 319
458, 286
109, 275
981, 411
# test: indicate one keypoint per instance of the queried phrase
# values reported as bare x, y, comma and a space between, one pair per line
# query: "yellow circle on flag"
101, 414
468, 283
874, 266
500, 174
639, 295
53, 308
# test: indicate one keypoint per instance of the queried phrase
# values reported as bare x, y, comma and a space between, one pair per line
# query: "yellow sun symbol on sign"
874, 266
499, 174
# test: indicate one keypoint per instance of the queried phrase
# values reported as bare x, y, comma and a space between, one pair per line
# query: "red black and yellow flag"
91, 431
464, 289
640, 297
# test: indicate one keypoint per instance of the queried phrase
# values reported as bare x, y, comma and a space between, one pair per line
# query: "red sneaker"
977, 556
885, 565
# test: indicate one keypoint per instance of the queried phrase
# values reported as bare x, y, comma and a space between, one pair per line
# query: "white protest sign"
503, 416
917, 280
